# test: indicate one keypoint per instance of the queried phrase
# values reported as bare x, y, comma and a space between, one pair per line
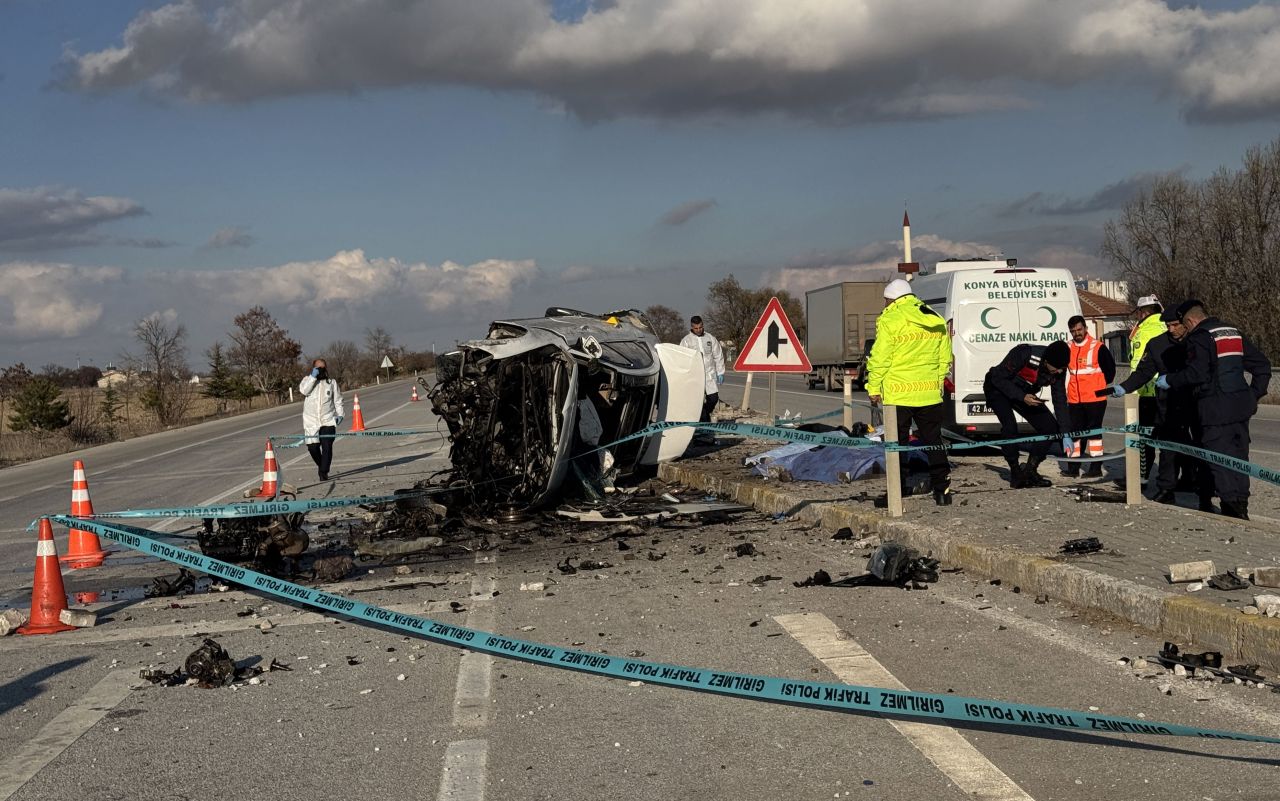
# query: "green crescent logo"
1053, 317
983, 316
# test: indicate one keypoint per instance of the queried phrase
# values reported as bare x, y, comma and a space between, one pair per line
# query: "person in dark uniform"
1218, 356
1176, 417
1013, 386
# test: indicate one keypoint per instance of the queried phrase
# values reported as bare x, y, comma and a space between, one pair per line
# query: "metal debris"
183, 584
1079, 547
1228, 582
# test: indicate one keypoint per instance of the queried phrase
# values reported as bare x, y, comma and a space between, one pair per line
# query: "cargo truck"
842, 323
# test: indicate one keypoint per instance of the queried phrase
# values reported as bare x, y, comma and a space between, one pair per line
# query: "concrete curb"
1240, 637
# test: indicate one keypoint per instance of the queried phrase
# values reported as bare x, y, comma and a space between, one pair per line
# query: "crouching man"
1014, 385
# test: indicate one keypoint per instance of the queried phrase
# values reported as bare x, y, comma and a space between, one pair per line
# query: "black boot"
1031, 475
942, 494
1206, 504
1168, 496
1093, 470
1236, 509
1016, 480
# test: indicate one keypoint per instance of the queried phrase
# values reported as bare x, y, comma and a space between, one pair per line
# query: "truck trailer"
842, 323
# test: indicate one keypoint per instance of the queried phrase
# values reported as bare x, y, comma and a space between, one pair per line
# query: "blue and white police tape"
380, 432
819, 695
843, 441
260, 508
1267, 474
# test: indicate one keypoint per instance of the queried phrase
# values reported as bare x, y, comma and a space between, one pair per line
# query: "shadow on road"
15, 693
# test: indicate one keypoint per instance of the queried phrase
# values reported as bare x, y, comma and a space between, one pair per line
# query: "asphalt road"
344, 723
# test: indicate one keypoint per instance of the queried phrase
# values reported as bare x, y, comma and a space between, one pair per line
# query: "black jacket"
1022, 373
1218, 356
1162, 356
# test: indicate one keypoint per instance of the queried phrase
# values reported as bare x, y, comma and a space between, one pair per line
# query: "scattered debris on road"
182, 584
1191, 571
11, 620
1080, 547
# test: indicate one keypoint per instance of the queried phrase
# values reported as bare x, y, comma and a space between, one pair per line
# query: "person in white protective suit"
712, 365
321, 415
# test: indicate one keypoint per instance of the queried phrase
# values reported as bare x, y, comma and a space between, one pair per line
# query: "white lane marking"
955, 756
475, 670
59, 733
463, 778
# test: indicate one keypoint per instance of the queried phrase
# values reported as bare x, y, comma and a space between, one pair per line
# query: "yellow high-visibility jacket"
1144, 332
911, 354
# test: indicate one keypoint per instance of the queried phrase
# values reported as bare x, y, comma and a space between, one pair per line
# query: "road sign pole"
773, 397
746, 393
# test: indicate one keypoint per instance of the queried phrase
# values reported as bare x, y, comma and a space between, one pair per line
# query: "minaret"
907, 267
906, 238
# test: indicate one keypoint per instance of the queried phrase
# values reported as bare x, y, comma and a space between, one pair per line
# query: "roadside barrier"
818, 695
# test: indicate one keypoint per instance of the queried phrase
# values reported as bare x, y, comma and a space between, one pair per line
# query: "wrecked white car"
528, 406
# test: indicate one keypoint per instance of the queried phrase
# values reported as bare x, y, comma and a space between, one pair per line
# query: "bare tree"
343, 358
1153, 243
263, 351
732, 310
378, 343
1218, 240
666, 322
163, 368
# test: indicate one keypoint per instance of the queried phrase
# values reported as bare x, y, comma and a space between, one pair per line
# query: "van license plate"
978, 408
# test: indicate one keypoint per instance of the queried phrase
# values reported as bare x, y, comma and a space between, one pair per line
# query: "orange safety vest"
1084, 376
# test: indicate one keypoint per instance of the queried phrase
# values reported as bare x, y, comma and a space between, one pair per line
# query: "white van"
991, 306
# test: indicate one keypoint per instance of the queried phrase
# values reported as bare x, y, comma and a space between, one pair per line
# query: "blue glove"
720, 378
1162, 382
1067, 444
315, 372
1117, 391
338, 421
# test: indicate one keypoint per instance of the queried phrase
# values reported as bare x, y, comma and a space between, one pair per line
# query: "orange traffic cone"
357, 416
83, 548
270, 475
48, 596
415, 393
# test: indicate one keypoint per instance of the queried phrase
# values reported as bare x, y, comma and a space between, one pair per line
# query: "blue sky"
428, 166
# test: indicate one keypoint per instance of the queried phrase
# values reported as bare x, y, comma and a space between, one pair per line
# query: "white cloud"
334, 297
40, 301
844, 61
47, 217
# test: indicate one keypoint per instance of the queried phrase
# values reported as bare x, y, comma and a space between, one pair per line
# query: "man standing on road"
1089, 372
712, 366
910, 358
1218, 356
1178, 419
1014, 385
1148, 328
321, 415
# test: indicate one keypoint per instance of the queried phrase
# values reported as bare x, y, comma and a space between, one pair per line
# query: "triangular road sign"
386, 362
773, 346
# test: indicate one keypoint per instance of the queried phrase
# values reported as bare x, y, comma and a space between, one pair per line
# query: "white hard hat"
1148, 300
896, 289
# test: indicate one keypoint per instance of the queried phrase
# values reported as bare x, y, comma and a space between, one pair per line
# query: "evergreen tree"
221, 385
109, 407
39, 408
